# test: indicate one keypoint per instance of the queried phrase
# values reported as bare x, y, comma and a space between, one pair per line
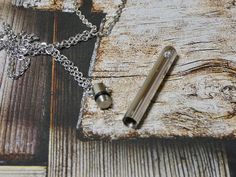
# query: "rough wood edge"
79, 128
58, 5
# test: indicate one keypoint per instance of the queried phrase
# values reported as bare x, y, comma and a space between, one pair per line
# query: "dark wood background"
44, 104
25, 103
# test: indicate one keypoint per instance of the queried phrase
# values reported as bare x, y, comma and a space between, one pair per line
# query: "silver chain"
20, 47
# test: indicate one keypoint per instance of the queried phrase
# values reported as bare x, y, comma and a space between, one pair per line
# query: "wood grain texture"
70, 157
69, 5
62, 5
197, 98
23, 171
24, 104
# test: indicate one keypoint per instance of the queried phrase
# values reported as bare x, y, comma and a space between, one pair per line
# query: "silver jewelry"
136, 111
20, 47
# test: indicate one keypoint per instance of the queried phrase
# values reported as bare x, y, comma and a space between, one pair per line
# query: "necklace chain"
20, 47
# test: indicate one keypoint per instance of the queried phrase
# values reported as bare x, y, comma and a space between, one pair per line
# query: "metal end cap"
104, 101
130, 122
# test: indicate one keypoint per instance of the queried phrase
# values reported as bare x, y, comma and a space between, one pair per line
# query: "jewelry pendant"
141, 102
102, 96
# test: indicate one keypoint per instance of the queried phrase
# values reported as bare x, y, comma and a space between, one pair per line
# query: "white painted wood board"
23, 171
198, 97
67, 5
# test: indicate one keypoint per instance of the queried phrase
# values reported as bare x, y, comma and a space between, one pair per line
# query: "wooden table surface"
39, 112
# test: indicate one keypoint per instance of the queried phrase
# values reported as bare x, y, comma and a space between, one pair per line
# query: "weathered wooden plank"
23, 171
67, 5
108, 6
68, 156
198, 97
24, 104
64, 5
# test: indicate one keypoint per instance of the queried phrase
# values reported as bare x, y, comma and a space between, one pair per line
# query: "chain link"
69, 66
11, 70
20, 46
109, 23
